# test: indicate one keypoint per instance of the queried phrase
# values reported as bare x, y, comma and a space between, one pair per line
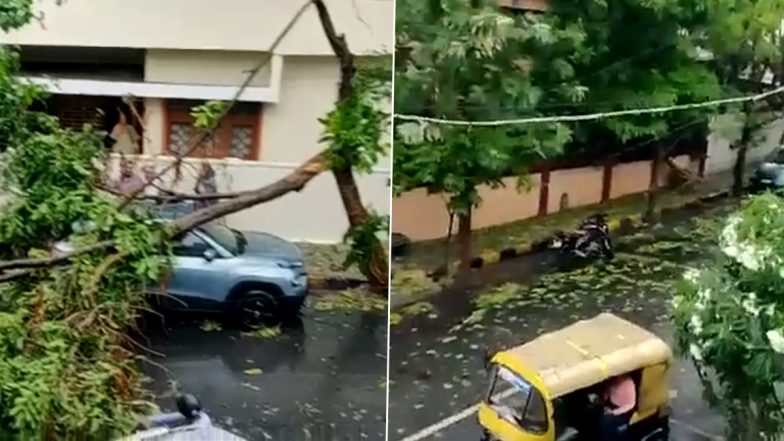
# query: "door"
200, 276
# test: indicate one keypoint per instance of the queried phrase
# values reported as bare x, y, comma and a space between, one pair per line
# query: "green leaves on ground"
351, 300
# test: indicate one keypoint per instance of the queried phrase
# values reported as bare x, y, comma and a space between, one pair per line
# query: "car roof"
588, 352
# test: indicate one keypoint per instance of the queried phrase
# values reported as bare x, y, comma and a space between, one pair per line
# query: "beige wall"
291, 129
241, 25
630, 178
583, 185
215, 68
424, 217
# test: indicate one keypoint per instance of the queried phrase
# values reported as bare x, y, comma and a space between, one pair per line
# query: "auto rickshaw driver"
620, 399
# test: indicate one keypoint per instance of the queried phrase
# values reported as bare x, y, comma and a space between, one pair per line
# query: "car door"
199, 277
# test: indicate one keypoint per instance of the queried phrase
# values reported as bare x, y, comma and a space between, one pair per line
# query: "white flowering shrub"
729, 318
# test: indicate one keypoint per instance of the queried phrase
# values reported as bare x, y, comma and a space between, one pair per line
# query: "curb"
616, 225
334, 283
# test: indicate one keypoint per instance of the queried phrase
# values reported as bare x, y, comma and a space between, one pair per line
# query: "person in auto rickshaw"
620, 399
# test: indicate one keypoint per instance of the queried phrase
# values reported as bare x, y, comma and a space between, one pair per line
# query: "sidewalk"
410, 283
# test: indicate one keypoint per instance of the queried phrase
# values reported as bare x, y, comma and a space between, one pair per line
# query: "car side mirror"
210, 255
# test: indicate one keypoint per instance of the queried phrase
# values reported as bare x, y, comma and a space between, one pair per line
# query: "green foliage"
363, 240
729, 317
15, 13
639, 54
207, 116
472, 62
67, 365
357, 128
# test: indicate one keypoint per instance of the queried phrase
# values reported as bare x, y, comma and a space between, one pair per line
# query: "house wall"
216, 68
423, 216
248, 25
290, 129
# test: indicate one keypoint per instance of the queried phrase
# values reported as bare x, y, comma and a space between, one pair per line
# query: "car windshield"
776, 157
517, 400
232, 240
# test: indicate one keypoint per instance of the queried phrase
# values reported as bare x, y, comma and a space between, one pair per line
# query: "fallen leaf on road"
250, 386
210, 326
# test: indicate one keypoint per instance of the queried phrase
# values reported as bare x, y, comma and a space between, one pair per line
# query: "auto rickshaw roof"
589, 352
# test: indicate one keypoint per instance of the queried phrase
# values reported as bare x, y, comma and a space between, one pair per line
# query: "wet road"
436, 360
318, 381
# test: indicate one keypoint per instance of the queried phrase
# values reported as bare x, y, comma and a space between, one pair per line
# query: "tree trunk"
358, 215
347, 185
738, 170
464, 238
653, 186
448, 244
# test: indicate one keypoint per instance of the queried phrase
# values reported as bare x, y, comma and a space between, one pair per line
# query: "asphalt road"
321, 380
436, 359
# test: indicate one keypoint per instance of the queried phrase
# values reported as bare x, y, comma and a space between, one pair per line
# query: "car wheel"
256, 306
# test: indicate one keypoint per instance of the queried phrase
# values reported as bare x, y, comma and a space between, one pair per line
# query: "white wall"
220, 68
207, 24
721, 158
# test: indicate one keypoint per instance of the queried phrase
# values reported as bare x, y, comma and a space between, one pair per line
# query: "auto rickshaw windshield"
516, 400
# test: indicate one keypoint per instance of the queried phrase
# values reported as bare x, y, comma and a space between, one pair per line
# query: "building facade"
171, 56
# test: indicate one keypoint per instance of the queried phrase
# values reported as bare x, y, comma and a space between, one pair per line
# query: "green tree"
746, 42
642, 54
469, 61
729, 317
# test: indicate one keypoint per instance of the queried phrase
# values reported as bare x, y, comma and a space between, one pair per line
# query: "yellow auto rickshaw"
549, 389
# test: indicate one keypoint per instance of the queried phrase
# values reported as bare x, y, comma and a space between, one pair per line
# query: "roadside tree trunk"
738, 169
464, 239
447, 269
742, 147
358, 215
347, 186
653, 186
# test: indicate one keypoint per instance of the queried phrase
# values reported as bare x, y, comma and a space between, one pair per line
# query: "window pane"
179, 138
241, 142
190, 246
536, 414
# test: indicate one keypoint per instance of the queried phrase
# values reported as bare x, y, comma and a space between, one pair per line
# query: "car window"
223, 236
190, 245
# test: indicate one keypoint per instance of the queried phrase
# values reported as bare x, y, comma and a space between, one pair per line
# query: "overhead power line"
592, 116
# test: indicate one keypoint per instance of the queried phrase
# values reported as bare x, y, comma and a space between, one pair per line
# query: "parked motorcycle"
591, 239
191, 423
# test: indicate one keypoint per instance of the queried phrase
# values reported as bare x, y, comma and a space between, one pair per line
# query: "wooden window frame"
180, 114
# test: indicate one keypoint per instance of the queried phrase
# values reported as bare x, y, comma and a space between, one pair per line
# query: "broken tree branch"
294, 181
54, 260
